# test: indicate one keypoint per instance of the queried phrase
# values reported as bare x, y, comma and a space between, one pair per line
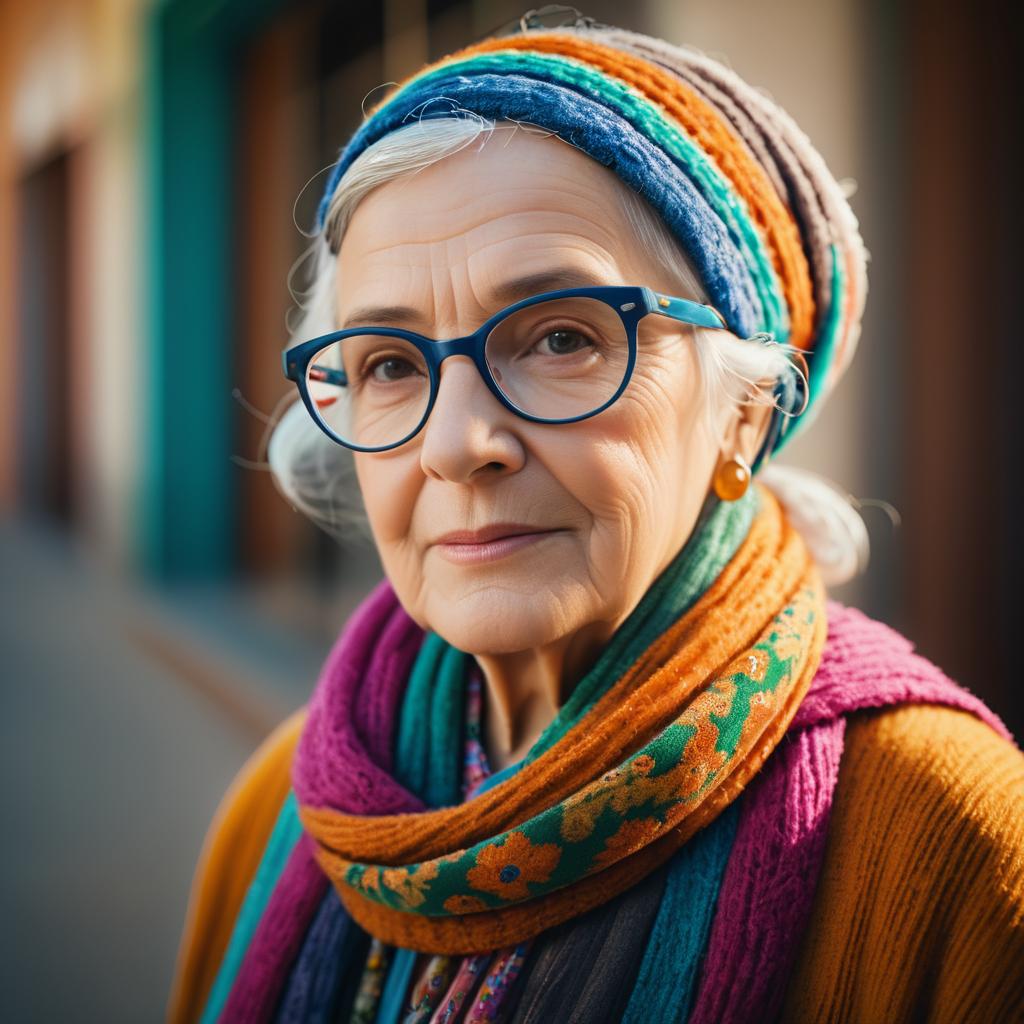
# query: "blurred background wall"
163, 606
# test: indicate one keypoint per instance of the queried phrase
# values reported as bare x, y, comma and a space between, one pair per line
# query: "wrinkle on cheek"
390, 488
616, 486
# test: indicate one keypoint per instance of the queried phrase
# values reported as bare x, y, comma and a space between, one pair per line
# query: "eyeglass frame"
631, 302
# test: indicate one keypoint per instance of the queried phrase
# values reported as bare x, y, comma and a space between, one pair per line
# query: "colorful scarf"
670, 744
297, 948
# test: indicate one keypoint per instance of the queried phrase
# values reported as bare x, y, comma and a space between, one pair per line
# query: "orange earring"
732, 479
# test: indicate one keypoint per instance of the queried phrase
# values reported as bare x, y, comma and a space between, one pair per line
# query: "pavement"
126, 712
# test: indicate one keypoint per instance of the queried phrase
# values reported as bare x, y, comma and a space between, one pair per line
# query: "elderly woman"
599, 747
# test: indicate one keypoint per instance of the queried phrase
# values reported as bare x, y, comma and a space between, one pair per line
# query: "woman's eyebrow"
379, 316
501, 295
543, 281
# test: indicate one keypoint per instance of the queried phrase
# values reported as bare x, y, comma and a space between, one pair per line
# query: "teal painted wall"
189, 502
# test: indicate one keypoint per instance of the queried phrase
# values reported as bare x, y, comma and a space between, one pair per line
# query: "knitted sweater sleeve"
919, 910
227, 863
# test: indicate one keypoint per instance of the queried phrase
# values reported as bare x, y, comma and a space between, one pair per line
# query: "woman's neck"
524, 691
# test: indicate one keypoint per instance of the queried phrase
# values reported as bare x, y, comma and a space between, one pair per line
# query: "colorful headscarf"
751, 202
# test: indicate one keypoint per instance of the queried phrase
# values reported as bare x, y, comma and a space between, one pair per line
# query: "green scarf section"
429, 753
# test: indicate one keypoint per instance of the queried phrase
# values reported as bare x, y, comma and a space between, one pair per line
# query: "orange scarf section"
683, 678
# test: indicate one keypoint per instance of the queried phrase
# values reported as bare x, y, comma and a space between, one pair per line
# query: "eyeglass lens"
556, 359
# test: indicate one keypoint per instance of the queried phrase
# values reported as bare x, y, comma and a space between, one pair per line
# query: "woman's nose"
468, 429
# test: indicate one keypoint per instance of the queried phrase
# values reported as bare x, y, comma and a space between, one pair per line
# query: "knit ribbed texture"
920, 908
938, 799
314, 986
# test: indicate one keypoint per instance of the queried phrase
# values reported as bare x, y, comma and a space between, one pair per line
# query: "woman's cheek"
388, 494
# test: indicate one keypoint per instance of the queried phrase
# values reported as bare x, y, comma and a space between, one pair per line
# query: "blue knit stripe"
603, 135
287, 831
313, 987
666, 984
650, 121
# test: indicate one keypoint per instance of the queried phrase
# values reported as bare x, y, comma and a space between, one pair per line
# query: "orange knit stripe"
727, 617
704, 125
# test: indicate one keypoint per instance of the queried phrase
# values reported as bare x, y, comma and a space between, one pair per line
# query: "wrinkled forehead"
515, 206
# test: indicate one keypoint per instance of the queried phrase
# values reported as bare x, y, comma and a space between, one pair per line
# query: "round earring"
732, 479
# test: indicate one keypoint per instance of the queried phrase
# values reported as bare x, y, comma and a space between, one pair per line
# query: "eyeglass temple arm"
707, 316
329, 375
685, 310
326, 374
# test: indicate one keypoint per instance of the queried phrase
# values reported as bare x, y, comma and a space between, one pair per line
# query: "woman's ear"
747, 426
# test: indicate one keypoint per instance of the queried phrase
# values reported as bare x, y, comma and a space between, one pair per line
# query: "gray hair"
317, 476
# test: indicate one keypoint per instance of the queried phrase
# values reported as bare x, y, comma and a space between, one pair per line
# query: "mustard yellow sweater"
919, 910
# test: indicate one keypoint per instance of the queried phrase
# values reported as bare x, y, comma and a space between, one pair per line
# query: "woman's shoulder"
231, 853
929, 776
919, 910
935, 766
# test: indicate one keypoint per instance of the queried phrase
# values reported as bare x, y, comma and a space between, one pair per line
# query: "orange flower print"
364, 877
409, 886
630, 836
505, 869
460, 904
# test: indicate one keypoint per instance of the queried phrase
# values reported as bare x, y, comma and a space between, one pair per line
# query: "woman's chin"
497, 621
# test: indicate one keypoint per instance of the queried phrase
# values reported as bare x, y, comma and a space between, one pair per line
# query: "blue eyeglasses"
558, 357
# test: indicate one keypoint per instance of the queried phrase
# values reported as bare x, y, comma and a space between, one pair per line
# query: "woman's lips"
491, 550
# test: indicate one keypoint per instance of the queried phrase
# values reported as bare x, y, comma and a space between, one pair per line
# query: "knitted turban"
752, 204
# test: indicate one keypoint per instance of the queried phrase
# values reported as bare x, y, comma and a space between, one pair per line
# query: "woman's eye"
390, 369
565, 342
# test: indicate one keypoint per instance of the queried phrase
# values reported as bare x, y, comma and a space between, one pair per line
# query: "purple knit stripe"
343, 757
377, 701
277, 939
867, 664
769, 881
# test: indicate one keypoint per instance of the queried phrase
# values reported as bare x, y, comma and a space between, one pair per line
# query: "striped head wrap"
764, 223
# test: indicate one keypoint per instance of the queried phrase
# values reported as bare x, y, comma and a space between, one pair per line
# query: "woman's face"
613, 497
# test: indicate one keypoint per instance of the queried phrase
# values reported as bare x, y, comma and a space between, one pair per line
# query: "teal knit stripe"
396, 981
666, 984
651, 121
447, 711
819, 359
428, 759
285, 835
412, 750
